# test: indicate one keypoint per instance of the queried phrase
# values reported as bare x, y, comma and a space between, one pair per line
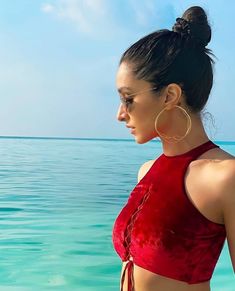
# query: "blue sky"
59, 58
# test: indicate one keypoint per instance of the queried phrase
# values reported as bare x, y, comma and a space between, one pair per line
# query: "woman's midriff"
145, 280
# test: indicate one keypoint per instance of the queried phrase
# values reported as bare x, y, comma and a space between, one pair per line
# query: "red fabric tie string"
129, 269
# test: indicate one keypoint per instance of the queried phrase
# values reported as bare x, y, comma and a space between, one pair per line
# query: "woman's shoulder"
224, 171
214, 160
217, 169
210, 180
213, 170
144, 168
220, 163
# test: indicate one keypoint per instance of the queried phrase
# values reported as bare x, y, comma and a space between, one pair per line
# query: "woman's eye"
129, 100
126, 99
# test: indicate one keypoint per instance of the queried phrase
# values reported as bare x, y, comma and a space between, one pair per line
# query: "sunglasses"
127, 101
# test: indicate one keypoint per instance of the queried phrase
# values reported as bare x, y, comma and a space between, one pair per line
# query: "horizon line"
86, 138
60, 138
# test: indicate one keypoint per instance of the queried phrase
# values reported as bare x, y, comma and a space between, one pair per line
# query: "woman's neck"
196, 136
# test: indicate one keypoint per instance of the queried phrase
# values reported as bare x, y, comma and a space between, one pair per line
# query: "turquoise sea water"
58, 202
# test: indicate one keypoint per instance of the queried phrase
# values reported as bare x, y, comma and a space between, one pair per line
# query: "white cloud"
47, 8
98, 6
86, 15
152, 12
144, 10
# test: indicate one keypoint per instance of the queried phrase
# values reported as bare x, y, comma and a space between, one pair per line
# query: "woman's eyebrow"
123, 88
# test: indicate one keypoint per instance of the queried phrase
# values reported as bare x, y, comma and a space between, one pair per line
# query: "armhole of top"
147, 171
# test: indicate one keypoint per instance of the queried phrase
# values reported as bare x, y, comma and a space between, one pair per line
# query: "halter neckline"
192, 151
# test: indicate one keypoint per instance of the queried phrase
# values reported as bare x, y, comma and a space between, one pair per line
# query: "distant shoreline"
92, 139
66, 138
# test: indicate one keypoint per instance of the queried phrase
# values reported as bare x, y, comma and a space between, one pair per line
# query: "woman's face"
144, 107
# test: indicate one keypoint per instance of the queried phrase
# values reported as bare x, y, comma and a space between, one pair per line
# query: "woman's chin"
143, 139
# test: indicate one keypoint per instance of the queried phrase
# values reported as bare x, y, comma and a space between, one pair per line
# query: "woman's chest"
166, 208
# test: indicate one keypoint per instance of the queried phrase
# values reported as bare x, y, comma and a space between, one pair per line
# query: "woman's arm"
228, 207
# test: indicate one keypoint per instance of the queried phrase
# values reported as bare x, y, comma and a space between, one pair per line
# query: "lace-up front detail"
127, 242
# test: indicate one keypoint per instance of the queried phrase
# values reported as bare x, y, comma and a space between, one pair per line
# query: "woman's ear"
173, 95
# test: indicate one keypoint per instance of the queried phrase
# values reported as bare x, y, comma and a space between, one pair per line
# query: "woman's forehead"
126, 79
124, 71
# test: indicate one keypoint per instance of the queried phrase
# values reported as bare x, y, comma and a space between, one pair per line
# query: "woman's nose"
121, 114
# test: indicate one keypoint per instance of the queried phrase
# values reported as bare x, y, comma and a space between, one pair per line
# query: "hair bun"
194, 24
181, 26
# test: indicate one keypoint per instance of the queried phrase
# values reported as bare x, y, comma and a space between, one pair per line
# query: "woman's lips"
132, 130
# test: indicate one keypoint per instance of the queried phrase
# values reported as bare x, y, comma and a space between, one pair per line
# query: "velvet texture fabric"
160, 230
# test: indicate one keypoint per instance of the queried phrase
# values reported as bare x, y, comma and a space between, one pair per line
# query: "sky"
58, 63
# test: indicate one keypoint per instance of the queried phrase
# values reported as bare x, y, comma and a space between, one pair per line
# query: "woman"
172, 229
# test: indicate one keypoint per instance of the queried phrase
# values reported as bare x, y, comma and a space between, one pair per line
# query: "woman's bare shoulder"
213, 172
226, 173
144, 169
213, 160
218, 168
220, 163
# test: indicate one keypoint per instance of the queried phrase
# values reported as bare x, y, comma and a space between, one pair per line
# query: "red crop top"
160, 230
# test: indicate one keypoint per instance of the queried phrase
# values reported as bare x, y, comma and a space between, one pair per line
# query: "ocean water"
58, 202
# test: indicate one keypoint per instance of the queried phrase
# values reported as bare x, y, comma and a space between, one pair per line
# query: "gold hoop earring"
175, 138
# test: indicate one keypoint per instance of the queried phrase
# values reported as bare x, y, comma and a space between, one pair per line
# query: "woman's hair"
179, 56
